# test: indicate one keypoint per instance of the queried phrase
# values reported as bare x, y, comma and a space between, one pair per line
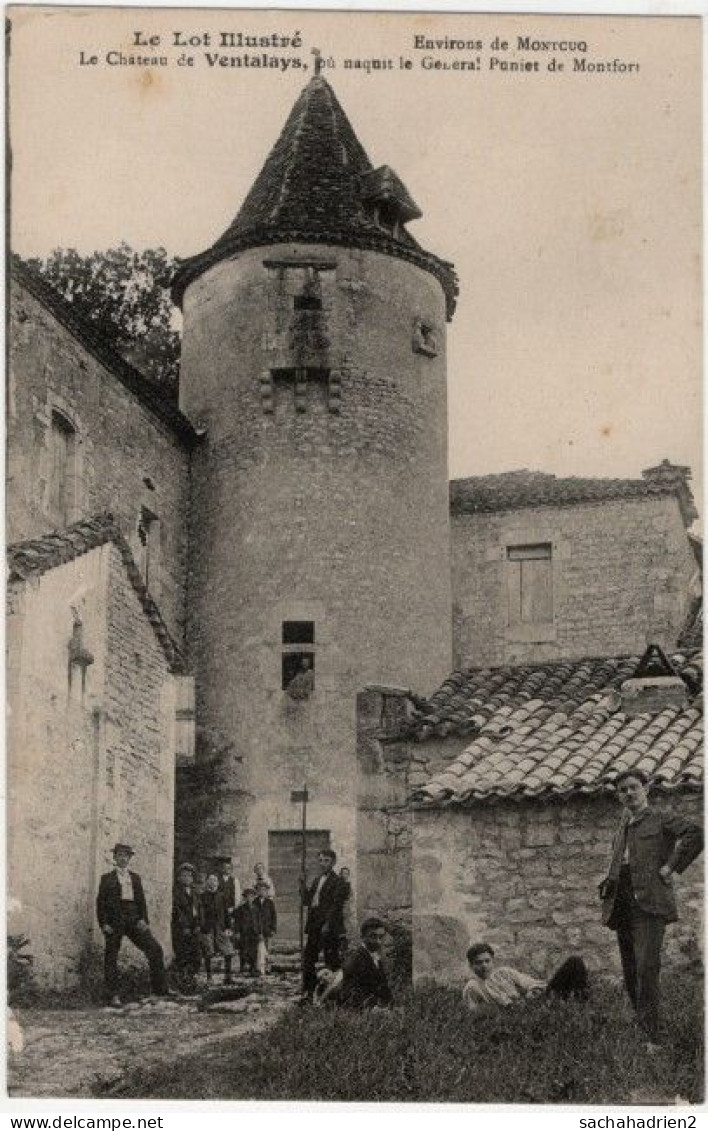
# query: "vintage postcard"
353, 526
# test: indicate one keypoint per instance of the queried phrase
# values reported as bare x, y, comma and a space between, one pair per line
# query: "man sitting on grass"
364, 983
502, 985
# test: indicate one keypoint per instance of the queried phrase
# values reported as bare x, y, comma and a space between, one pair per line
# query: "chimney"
672, 476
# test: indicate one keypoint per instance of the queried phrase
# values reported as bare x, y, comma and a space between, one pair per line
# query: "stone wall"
88, 764
125, 457
621, 579
383, 820
524, 878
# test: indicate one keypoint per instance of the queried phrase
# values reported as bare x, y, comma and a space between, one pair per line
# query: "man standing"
365, 984
324, 900
637, 895
185, 929
229, 885
230, 889
121, 910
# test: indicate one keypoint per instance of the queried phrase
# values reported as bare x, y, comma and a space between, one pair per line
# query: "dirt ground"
89, 1051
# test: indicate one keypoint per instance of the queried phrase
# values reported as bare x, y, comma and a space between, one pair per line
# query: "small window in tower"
298, 632
62, 470
307, 302
298, 658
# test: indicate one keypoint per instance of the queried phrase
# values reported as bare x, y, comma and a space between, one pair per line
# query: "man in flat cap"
121, 910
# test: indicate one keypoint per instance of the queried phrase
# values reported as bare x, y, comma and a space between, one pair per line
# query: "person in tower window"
324, 927
302, 684
121, 910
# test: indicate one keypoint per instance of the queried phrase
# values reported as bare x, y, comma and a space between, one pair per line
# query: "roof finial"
318, 60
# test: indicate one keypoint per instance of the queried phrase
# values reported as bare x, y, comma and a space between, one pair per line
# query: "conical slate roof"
314, 187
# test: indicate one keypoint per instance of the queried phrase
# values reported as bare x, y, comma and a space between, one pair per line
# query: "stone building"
546, 568
512, 837
96, 520
287, 543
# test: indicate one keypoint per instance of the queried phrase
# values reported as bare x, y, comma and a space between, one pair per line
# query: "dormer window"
387, 200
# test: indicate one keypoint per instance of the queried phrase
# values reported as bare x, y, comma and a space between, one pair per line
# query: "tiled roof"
512, 490
38, 555
147, 391
555, 729
312, 189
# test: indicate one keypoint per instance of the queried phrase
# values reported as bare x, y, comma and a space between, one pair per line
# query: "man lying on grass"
502, 985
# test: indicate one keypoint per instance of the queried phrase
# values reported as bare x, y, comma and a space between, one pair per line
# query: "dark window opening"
299, 375
298, 632
307, 302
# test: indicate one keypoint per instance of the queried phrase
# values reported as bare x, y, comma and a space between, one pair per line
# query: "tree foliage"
125, 295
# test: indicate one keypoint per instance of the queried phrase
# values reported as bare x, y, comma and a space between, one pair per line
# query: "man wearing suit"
637, 896
229, 885
324, 900
231, 892
365, 984
185, 929
121, 910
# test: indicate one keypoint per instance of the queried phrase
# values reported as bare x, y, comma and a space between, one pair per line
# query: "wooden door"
284, 863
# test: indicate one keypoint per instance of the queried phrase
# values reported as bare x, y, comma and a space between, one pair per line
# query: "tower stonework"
314, 360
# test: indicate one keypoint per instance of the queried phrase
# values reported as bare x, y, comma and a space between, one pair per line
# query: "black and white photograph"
354, 676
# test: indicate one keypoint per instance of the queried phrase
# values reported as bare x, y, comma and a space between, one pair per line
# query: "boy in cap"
265, 923
121, 910
247, 929
185, 929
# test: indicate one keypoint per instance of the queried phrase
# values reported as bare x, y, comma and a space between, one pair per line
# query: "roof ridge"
299, 128
36, 556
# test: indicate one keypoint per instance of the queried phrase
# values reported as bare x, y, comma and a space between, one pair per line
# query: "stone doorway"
284, 862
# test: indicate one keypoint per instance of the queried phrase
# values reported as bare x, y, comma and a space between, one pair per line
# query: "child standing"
265, 923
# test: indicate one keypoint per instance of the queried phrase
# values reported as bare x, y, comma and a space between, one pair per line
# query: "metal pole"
303, 872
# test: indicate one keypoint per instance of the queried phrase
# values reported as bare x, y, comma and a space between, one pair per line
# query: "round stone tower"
314, 359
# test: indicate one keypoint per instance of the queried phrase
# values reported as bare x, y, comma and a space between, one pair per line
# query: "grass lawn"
431, 1048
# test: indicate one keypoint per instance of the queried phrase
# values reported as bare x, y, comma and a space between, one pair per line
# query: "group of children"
211, 916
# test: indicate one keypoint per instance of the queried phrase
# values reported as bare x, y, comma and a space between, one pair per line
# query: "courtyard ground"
89, 1050
428, 1048
431, 1048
